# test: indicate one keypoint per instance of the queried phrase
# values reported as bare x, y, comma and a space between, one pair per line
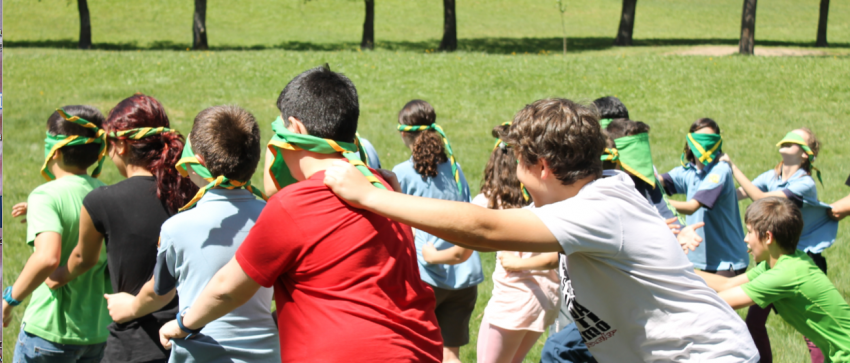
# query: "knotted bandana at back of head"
283, 139
705, 147
632, 153
795, 138
52, 143
449, 152
188, 159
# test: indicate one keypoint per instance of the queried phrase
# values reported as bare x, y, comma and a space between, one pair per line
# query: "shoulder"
721, 167
404, 166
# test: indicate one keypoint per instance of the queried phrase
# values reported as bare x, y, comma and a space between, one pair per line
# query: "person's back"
75, 313
337, 267
195, 245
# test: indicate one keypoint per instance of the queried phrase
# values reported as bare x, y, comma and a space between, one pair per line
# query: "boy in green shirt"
67, 324
788, 279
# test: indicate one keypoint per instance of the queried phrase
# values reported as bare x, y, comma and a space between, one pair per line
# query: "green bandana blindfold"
604, 122
633, 155
188, 159
795, 138
705, 147
52, 143
435, 127
283, 139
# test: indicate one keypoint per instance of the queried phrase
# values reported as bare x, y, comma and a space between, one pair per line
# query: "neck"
699, 165
63, 171
135, 170
775, 254
312, 163
555, 192
789, 170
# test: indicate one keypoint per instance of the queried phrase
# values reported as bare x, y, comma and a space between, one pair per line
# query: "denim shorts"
31, 348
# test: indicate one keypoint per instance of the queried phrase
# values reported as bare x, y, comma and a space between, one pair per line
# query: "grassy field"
259, 47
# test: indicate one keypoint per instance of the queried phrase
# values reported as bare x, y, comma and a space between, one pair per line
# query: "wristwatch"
183, 327
7, 295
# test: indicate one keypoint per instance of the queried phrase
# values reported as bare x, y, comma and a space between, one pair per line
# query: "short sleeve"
273, 245
163, 272
592, 227
94, 206
803, 187
770, 286
42, 216
756, 271
711, 187
674, 181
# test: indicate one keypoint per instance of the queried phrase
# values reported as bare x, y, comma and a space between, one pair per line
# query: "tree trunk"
85, 24
369, 27
748, 28
199, 26
824, 12
449, 42
627, 23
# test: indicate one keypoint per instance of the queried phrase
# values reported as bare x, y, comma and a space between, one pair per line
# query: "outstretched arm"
449, 256
464, 224
686, 208
840, 209
721, 283
84, 256
229, 289
511, 262
124, 307
749, 189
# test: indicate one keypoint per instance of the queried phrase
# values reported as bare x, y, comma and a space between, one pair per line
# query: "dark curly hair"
428, 149
501, 185
157, 153
564, 133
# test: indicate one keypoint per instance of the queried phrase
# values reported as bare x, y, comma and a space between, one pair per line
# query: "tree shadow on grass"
480, 45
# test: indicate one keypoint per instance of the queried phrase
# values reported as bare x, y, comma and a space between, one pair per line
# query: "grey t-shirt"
194, 245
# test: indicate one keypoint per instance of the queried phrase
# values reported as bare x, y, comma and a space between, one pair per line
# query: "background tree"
368, 41
199, 26
627, 23
85, 24
449, 42
824, 11
748, 28
563, 9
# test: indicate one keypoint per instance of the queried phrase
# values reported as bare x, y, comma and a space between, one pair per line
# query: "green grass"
756, 100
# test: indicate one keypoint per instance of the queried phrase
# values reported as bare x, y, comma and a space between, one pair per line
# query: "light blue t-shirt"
819, 230
443, 186
194, 245
723, 244
371, 154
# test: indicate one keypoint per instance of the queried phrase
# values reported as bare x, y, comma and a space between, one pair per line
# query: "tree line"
449, 40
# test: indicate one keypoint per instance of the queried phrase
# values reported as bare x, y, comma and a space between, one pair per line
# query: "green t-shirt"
75, 313
806, 299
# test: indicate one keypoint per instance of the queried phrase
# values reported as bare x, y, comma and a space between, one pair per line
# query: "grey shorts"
454, 308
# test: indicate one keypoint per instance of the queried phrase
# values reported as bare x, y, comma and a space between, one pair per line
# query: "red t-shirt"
346, 281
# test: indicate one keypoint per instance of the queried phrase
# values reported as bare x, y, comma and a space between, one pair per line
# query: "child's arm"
45, 259
229, 289
449, 256
124, 307
84, 256
686, 208
721, 283
736, 298
462, 223
688, 238
749, 189
840, 209
546, 261
20, 209
268, 183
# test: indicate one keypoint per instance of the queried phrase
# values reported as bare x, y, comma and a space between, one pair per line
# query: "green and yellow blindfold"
283, 139
705, 147
632, 154
795, 138
52, 143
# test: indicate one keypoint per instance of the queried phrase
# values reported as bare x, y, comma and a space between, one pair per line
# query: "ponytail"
428, 153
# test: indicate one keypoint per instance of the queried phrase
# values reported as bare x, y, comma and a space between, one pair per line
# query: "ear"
296, 126
201, 160
545, 170
120, 147
57, 155
769, 238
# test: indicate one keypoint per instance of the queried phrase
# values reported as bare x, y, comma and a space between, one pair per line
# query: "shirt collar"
217, 195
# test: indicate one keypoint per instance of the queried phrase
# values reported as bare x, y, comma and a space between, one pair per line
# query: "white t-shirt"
632, 292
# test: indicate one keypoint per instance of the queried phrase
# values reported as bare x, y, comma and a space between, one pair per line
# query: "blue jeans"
566, 346
31, 348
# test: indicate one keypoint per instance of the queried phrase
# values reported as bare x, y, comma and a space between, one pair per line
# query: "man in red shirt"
347, 285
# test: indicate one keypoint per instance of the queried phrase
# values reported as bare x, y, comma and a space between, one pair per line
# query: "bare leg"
451, 355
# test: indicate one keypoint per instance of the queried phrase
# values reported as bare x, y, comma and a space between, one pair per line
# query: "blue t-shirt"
371, 154
819, 230
194, 245
443, 186
723, 246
